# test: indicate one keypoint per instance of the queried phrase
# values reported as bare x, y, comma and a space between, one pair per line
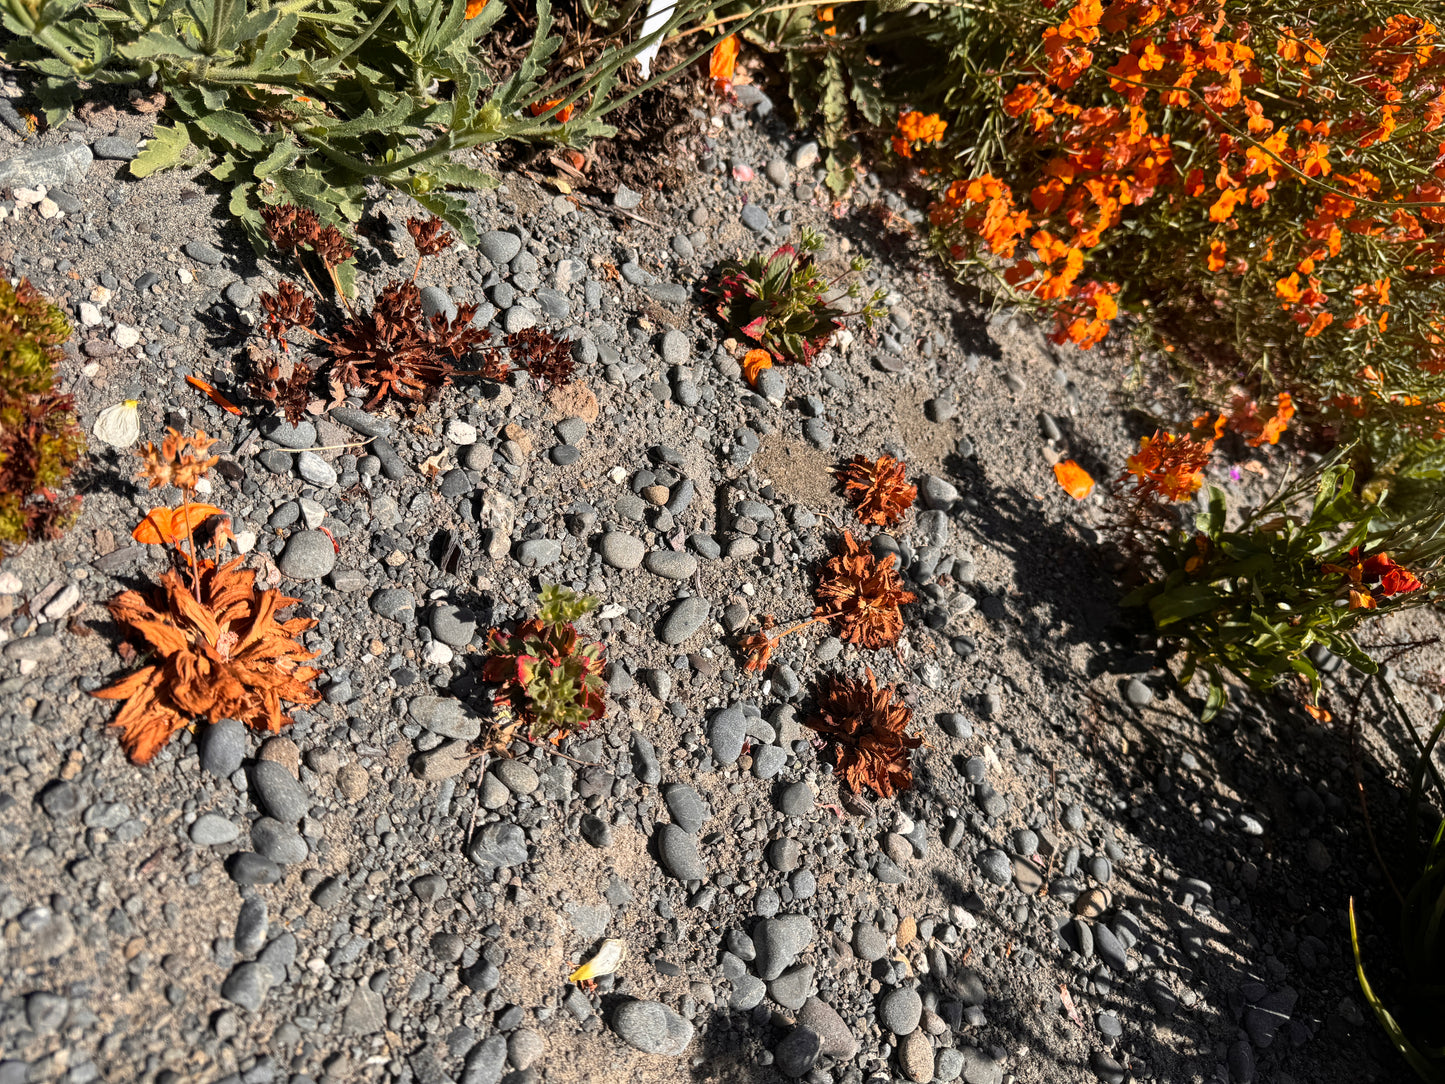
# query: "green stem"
361, 39
43, 35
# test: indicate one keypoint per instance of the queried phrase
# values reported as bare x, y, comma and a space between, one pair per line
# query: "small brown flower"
759, 648
546, 357
868, 728
862, 593
332, 247
180, 461
287, 308
428, 235
290, 227
879, 491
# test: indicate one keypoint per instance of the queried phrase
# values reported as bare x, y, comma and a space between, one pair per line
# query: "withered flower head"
429, 235
289, 227
879, 491
868, 728
222, 656
862, 594
180, 461
332, 247
292, 394
287, 308
542, 354
393, 349
759, 648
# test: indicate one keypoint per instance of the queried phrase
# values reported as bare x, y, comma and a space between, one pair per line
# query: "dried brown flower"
220, 654
868, 729
394, 350
542, 354
292, 394
879, 491
287, 308
180, 461
862, 594
332, 247
759, 648
290, 227
429, 235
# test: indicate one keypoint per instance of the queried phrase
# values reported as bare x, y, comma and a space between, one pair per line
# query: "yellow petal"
607, 959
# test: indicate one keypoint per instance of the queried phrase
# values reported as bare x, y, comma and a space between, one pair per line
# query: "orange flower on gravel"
754, 362
868, 727
222, 655
879, 491
1077, 482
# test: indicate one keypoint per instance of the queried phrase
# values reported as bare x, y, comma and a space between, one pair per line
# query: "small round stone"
900, 1010
308, 555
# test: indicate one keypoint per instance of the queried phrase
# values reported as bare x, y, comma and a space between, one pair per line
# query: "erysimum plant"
303, 101
1260, 183
1306, 568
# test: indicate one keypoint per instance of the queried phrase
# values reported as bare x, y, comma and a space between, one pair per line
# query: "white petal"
118, 426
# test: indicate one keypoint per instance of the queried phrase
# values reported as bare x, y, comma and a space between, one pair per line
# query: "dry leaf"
223, 657
862, 593
878, 491
868, 728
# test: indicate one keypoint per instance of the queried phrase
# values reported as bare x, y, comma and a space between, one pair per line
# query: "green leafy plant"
786, 305
304, 101
39, 439
1252, 599
1422, 949
551, 679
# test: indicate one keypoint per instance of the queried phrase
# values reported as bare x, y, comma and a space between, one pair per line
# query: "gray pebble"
686, 616
223, 744
278, 792
671, 564
678, 853
213, 830
900, 1010
652, 1027
308, 555
499, 246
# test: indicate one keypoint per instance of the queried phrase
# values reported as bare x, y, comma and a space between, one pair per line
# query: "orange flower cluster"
562, 116
1245, 420
1168, 466
1103, 150
915, 127
1374, 578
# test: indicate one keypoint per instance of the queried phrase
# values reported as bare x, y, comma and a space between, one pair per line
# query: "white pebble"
101, 296
89, 369
48, 208
125, 336
28, 197
618, 475
10, 584
89, 314
460, 432
437, 654
245, 541
185, 275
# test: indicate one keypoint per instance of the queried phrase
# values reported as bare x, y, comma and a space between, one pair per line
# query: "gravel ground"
1083, 885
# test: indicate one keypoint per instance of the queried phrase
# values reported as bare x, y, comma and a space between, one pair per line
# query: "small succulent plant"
781, 302
551, 679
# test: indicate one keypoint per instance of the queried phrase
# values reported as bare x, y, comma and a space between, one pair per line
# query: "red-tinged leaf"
215, 396
755, 329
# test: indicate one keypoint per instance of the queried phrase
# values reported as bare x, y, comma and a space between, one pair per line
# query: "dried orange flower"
221, 655
1170, 466
759, 648
1077, 482
879, 491
862, 593
868, 728
180, 461
754, 362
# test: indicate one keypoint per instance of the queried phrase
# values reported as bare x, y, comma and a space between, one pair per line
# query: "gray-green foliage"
303, 101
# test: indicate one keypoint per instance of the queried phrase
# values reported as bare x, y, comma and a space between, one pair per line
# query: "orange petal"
216, 397
724, 59
754, 362
1075, 479
475, 7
